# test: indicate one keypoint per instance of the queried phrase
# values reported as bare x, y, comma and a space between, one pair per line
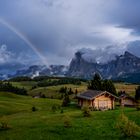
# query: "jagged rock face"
32, 70
80, 67
127, 63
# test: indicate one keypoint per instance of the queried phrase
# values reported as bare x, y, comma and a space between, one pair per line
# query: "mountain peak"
128, 54
78, 54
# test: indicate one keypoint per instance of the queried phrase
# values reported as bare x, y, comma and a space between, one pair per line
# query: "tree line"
56, 82
97, 83
65, 93
8, 87
43, 78
44, 81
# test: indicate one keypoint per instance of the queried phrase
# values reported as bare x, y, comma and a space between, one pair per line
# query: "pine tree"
108, 85
70, 91
76, 92
66, 100
96, 83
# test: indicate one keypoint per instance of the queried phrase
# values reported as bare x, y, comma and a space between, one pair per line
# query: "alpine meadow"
69, 70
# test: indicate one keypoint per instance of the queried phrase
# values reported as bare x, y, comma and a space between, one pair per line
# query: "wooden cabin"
100, 100
127, 100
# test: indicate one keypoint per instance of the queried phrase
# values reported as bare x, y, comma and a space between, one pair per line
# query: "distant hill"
130, 78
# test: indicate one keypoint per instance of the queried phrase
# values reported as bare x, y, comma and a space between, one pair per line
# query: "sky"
51, 31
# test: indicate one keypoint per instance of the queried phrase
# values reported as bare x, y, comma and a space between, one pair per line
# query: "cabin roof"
91, 94
126, 96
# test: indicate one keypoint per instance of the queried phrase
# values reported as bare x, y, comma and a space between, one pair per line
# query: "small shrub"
58, 107
34, 109
43, 96
127, 128
66, 100
67, 122
61, 111
86, 111
54, 108
93, 108
33, 87
4, 124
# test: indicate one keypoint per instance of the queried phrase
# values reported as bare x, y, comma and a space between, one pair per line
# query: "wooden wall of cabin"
127, 102
84, 102
103, 101
98, 102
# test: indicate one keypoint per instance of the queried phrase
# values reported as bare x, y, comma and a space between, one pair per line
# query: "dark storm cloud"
58, 27
126, 13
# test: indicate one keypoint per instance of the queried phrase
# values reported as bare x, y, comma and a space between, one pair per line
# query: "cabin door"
103, 104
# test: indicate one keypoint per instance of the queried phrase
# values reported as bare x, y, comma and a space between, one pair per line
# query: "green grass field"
128, 88
47, 125
26, 84
53, 91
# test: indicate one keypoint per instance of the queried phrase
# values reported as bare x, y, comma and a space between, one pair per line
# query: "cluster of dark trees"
98, 84
65, 92
56, 82
69, 91
44, 81
8, 87
20, 79
66, 100
41, 78
26, 78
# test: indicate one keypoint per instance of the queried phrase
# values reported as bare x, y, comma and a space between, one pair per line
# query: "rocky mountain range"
42, 70
122, 67
38, 70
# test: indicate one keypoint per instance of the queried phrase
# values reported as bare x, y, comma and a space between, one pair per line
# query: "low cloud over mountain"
82, 66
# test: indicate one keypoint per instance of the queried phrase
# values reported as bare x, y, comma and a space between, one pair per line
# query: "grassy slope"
44, 124
26, 84
11, 103
129, 88
53, 90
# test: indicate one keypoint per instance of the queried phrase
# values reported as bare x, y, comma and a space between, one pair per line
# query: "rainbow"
24, 38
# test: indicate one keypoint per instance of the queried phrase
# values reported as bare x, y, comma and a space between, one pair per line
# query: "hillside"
53, 91
45, 124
